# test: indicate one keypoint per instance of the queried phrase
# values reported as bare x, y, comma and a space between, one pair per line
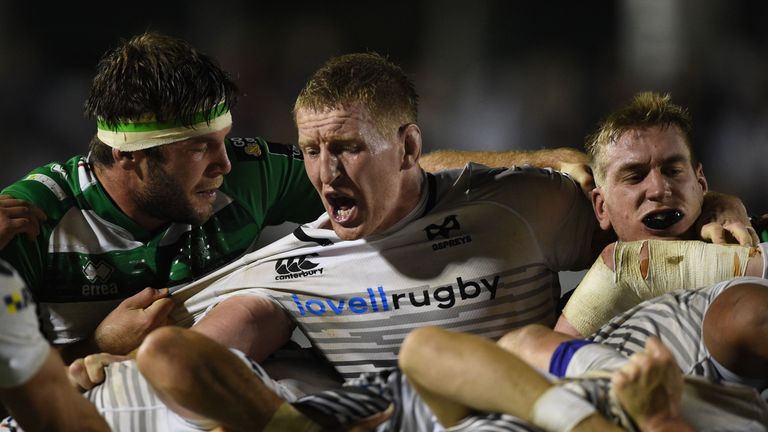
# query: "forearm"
201, 379
497, 381
49, 402
254, 325
448, 159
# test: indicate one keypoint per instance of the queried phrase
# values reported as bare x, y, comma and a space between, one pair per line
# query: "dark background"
492, 74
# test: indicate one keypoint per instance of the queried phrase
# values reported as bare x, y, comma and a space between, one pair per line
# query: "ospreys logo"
443, 230
296, 267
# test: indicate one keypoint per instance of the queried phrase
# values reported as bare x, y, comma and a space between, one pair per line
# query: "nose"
220, 164
329, 167
658, 186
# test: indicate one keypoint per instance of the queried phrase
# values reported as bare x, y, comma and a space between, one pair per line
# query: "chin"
347, 233
201, 216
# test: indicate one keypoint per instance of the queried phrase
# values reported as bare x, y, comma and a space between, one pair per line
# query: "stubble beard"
165, 199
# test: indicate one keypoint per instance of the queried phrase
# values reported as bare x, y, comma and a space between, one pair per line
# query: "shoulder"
252, 149
48, 186
520, 182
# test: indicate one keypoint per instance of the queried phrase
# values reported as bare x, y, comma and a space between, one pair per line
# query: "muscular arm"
497, 381
643, 270
565, 159
125, 327
254, 325
448, 159
50, 392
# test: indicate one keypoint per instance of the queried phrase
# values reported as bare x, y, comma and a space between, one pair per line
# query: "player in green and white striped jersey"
162, 198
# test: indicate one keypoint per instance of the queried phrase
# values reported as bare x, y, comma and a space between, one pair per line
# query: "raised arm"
564, 159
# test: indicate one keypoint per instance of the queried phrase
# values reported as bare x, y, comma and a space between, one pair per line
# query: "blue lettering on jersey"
379, 300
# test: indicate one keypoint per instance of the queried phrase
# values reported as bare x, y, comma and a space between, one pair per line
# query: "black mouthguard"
663, 220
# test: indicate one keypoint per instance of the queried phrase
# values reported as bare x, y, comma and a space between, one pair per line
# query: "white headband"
130, 136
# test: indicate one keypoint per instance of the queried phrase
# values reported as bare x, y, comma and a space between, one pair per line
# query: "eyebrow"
635, 166
334, 142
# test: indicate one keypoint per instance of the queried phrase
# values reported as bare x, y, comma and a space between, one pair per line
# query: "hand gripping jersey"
480, 253
23, 349
90, 256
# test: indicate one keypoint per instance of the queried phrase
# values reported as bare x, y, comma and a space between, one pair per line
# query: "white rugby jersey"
480, 254
23, 349
677, 319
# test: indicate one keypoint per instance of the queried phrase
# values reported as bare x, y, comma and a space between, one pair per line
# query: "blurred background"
492, 75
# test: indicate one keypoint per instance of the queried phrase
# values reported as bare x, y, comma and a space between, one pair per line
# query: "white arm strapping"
672, 265
560, 410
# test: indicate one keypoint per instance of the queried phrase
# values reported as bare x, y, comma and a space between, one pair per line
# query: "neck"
413, 186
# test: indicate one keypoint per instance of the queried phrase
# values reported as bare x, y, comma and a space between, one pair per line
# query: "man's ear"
699, 171
126, 160
598, 204
411, 145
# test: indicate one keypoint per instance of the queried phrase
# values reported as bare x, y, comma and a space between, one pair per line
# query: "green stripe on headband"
156, 126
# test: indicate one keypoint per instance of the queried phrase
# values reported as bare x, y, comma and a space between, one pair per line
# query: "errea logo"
97, 272
296, 267
450, 223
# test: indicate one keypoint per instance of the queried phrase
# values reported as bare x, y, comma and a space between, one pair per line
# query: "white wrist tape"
560, 410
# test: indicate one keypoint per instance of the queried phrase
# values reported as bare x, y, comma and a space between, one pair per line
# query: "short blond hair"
367, 79
647, 109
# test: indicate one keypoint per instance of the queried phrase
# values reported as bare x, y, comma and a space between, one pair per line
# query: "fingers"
159, 310
144, 298
744, 234
78, 377
713, 232
18, 217
735, 232
580, 172
95, 363
86, 373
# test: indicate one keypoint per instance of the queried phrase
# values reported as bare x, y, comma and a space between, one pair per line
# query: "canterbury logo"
294, 264
450, 223
294, 267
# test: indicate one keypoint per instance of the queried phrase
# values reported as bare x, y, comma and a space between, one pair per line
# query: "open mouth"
342, 207
663, 219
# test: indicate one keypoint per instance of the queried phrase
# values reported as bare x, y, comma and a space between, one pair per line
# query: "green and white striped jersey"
90, 256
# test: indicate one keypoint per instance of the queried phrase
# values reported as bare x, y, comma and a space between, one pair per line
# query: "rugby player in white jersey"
649, 183
33, 383
647, 180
